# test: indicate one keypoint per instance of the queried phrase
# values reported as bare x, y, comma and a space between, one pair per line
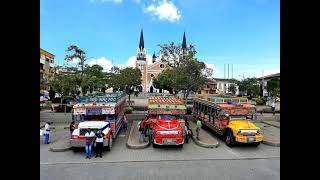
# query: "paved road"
244, 162
120, 153
262, 169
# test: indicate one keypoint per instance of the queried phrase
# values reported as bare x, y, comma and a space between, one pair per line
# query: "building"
264, 81
151, 71
217, 86
46, 64
209, 88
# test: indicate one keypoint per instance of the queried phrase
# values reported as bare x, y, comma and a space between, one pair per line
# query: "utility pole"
228, 71
231, 71
224, 71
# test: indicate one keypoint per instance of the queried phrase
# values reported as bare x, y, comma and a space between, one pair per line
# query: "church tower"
184, 45
154, 58
141, 61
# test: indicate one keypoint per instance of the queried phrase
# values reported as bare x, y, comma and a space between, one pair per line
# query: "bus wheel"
229, 139
154, 145
75, 149
180, 146
109, 143
256, 144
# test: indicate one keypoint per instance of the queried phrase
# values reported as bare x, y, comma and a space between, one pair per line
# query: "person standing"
150, 134
125, 121
89, 142
47, 130
273, 107
141, 129
72, 127
99, 143
198, 126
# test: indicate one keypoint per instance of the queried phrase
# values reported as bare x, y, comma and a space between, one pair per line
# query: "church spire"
141, 43
184, 41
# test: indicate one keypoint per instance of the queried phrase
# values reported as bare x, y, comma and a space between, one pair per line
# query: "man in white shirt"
89, 142
47, 129
99, 143
273, 107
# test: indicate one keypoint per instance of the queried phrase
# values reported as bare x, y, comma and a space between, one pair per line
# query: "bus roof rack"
220, 100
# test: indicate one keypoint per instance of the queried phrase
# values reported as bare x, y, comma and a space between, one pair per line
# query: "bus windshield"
241, 117
167, 117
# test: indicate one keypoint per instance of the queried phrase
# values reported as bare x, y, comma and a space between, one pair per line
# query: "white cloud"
107, 63
115, 1
165, 11
213, 67
103, 62
270, 71
132, 61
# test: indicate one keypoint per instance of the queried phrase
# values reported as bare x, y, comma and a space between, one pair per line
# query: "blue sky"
245, 33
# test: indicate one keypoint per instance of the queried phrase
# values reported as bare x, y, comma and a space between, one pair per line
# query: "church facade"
151, 71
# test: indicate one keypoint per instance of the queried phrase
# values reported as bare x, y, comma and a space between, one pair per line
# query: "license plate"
251, 139
169, 141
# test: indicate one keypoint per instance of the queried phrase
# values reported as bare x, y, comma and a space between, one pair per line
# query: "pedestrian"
72, 127
47, 130
99, 143
273, 107
141, 129
150, 134
89, 142
186, 131
198, 126
146, 132
125, 121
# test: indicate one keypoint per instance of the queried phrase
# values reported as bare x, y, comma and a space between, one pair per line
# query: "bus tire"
155, 145
256, 144
75, 149
230, 141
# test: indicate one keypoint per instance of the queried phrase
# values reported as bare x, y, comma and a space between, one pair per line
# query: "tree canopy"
250, 86
273, 87
185, 73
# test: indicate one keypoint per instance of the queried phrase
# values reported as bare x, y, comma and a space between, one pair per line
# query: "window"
161, 66
152, 75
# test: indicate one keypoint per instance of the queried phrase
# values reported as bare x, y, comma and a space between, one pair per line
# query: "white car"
78, 139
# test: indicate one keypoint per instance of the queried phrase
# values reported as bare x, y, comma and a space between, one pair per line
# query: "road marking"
164, 160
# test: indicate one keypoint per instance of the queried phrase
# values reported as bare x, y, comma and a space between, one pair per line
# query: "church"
151, 71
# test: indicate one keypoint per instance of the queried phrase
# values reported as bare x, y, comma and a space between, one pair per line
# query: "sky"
242, 33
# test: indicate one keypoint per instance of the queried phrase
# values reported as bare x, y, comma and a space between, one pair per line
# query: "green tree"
115, 70
76, 54
186, 73
250, 86
233, 89
165, 81
127, 80
172, 54
64, 84
273, 87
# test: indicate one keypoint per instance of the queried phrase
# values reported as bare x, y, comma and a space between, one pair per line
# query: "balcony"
42, 61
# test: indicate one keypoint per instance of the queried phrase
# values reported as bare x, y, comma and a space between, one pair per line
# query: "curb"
266, 122
205, 145
133, 146
270, 143
60, 149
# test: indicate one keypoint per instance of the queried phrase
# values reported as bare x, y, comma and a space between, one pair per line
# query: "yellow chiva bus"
229, 117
